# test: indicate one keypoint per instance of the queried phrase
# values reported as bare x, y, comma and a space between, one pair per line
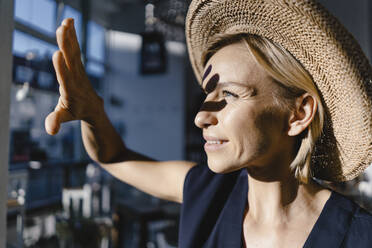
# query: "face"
241, 121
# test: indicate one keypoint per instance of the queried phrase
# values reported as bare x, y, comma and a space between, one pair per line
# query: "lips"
214, 143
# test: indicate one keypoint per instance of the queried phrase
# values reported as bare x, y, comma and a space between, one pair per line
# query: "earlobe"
302, 115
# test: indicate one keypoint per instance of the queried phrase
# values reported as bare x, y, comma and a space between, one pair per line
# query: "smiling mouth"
219, 142
214, 145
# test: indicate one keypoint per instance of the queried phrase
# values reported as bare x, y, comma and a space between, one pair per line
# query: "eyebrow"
234, 83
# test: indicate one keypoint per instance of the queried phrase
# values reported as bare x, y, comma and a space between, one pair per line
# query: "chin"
221, 167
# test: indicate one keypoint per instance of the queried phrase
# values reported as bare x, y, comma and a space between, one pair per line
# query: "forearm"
103, 144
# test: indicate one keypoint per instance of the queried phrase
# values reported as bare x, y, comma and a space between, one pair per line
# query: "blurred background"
135, 55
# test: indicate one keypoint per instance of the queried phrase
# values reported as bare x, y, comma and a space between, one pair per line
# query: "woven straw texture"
327, 51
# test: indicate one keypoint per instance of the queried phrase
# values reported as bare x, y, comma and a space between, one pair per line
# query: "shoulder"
359, 233
359, 214
362, 219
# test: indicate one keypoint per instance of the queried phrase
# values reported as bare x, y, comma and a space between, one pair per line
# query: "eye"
227, 93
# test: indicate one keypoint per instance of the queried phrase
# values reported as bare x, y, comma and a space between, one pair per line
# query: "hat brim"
327, 51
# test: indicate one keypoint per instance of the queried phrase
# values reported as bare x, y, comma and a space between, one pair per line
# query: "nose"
204, 119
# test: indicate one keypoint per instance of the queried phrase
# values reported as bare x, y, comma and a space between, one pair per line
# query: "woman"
288, 98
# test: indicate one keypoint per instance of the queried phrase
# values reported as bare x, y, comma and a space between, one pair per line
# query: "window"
96, 41
94, 68
95, 49
24, 43
39, 14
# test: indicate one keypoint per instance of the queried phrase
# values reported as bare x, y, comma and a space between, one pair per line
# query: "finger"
62, 41
54, 120
75, 52
66, 47
61, 69
68, 43
72, 38
66, 21
51, 123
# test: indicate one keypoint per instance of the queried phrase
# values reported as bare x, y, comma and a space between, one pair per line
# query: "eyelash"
226, 93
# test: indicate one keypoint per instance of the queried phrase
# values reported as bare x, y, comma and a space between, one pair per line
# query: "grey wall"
356, 17
152, 111
6, 29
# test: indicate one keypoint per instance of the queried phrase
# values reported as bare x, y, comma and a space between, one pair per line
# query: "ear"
303, 114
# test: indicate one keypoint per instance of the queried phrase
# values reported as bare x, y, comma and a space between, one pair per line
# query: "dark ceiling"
129, 15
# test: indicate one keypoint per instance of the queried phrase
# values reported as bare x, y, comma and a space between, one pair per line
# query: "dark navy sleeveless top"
213, 208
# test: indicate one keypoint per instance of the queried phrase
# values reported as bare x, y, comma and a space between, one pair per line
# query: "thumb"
54, 119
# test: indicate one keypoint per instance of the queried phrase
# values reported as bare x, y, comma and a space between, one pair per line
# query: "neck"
279, 200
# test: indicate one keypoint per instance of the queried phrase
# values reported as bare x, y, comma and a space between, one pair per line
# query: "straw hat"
327, 51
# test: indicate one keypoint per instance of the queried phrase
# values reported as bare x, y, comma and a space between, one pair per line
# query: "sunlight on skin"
78, 100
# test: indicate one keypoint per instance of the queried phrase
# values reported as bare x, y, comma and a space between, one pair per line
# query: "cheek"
272, 120
272, 125
245, 129
267, 125
253, 132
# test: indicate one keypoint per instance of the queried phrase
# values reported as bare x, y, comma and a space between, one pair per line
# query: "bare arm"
79, 101
163, 179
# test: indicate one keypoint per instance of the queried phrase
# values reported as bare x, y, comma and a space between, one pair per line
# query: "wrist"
96, 114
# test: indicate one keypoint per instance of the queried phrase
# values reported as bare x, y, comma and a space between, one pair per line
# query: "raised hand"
78, 100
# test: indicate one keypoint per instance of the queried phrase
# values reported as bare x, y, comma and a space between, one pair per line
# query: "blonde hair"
294, 81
